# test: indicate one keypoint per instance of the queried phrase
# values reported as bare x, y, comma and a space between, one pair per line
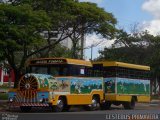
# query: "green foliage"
20, 28
3, 96
60, 51
76, 19
22, 21
140, 48
131, 48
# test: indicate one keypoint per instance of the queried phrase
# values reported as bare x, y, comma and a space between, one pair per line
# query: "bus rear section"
124, 83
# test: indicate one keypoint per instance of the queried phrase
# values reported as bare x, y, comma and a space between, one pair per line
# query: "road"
142, 110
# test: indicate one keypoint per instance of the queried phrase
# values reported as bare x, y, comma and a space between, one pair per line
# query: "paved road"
142, 110
98, 115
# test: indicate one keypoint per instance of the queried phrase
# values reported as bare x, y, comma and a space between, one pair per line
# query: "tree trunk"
74, 50
17, 74
82, 46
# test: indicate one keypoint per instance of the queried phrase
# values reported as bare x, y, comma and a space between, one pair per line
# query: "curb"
3, 101
3, 91
155, 101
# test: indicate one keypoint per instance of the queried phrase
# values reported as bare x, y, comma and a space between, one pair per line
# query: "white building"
66, 42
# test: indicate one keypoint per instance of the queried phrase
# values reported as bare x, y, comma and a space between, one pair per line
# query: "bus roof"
122, 64
40, 61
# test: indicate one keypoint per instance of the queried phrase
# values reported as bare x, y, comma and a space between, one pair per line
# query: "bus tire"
25, 108
106, 106
130, 105
95, 104
60, 105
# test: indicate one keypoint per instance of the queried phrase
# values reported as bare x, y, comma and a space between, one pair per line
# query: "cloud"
152, 26
95, 40
153, 7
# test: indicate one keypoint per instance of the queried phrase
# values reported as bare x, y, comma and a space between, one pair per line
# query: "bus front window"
39, 70
55, 70
58, 71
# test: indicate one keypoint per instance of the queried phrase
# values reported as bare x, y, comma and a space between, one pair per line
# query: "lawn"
3, 92
155, 97
3, 96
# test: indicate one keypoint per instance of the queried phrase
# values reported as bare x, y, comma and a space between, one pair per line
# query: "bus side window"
82, 71
63, 71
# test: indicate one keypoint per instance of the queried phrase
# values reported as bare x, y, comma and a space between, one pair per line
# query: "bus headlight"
41, 100
11, 99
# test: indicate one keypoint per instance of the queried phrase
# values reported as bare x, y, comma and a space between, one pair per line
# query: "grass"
155, 97
4, 86
3, 96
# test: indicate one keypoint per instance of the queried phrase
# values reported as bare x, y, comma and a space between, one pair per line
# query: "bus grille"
26, 96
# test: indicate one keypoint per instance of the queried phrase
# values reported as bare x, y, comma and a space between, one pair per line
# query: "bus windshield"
51, 70
39, 70
59, 66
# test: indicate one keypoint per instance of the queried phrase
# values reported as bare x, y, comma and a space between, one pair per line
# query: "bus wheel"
129, 105
60, 106
94, 106
25, 108
106, 106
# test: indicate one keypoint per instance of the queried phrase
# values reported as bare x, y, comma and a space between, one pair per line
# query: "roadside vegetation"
3, 96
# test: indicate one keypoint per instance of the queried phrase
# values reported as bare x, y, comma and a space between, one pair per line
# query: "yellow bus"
124, 83
57, 83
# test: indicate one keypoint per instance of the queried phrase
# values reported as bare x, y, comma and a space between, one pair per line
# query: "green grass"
3, 96
4, 86
155, 97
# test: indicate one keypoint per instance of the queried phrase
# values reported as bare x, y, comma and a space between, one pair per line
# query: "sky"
145, 13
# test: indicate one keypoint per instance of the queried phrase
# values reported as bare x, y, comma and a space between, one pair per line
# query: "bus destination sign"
48, 61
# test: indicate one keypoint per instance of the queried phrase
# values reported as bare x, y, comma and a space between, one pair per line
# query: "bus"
57, 83
60, 83
124, 83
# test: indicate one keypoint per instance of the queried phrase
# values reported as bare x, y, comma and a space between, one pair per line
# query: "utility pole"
92, 51
82, 45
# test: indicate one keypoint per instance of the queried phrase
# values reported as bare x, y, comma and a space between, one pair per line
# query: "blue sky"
128, 13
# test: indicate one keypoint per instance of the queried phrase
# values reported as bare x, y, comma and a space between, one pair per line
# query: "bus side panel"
122, 89
85, 85
126, 98
115, 97
110, 85
79, 99
79, 91
83, 89
143, 98
133, 86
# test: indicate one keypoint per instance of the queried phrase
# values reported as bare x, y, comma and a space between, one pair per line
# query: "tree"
75, 19
22, 21
58, 51
19, 33
138, 48
90, 19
